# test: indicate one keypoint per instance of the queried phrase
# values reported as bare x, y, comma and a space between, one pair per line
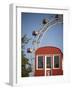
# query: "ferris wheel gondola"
38, 34
46, 25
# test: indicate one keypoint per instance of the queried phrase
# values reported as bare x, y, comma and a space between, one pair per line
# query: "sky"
33, 21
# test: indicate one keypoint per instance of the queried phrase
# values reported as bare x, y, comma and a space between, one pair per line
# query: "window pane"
48, 62
56, 61
40, 61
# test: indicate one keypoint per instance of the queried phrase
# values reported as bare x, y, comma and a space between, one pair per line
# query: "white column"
45, 65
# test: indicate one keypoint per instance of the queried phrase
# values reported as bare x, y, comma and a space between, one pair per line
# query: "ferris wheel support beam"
40, 33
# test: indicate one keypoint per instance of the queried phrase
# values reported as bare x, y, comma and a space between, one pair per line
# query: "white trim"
45, 65
12, 46
46, 54
51, 61
37, 63
50, 55
59, 61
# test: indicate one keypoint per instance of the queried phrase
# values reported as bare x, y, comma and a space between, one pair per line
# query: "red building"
48, 61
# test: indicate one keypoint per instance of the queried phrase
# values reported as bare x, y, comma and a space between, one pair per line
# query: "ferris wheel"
38, 35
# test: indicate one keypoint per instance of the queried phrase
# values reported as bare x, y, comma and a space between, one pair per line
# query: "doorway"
48, 65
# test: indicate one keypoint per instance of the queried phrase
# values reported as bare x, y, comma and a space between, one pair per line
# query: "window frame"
37, 63
53, 61
46, 61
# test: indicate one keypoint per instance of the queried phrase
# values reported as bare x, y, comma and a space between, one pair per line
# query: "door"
48, 65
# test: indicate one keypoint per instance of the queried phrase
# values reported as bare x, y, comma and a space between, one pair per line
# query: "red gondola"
48, 61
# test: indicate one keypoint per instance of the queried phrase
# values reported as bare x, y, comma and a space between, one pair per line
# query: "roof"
48, 50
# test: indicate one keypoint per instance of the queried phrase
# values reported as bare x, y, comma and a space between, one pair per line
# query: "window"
48, 62
40, 61
56, 62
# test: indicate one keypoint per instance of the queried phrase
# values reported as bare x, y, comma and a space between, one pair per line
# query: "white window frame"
46, 61
50, 55
59, 61
37, 62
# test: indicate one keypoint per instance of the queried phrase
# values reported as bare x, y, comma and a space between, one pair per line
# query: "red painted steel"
44, 51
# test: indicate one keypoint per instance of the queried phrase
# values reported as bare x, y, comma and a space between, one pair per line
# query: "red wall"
45, 51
